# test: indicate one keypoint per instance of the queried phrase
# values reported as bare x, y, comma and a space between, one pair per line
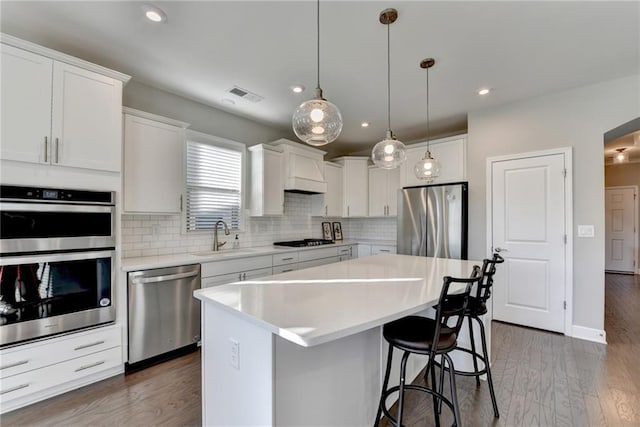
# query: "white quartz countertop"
321, 304
161, 261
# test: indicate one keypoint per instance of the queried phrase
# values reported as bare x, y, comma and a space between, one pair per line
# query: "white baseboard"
589, 334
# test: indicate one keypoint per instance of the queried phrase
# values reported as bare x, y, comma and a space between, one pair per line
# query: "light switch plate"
586, 231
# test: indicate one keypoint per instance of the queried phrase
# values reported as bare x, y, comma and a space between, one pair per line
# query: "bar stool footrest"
428, 390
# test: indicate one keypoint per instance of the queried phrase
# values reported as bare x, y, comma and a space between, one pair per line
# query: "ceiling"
518, 49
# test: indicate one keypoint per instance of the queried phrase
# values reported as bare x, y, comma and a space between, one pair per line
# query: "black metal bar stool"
432, 337
476, 307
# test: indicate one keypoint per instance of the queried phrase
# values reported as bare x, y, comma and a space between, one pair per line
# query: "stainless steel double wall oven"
57, 261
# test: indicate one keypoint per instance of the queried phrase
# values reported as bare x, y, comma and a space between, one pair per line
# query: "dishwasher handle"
168, 277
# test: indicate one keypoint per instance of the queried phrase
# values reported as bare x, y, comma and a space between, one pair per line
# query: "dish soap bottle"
236, 243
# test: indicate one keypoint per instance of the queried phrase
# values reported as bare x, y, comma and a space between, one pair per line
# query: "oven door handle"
53, 207
158, 279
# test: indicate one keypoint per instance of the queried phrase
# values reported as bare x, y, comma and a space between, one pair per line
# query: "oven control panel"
19, 193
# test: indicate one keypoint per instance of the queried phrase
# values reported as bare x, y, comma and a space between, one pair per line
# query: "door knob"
500, 250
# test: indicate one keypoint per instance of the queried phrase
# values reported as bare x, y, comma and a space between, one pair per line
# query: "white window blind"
214, 181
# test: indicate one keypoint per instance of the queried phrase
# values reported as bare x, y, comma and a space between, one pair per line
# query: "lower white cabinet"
347, 252
36, 371
383, 249
236, 270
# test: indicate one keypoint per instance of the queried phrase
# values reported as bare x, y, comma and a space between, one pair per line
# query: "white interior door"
528, 227
620, 234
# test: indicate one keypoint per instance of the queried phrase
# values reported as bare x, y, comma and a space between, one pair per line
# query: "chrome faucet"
216, 245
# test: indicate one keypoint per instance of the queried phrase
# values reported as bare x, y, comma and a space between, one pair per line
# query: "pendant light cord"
428, 127
318, 42
388, 82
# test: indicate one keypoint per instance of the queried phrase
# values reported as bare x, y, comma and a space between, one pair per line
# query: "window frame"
216, 141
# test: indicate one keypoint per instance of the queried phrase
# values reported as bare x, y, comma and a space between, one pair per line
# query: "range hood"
303, 167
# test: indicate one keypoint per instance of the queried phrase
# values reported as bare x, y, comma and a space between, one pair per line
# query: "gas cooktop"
304, 242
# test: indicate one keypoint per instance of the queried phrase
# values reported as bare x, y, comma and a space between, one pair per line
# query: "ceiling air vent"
245, 94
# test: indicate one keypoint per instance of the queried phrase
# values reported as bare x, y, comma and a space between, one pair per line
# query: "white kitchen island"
305, 348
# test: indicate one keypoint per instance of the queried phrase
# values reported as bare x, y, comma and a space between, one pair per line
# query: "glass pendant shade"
317, 121
428, 168
621, 157
389, 153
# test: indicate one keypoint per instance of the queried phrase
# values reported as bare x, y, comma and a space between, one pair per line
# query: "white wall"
577, 118
202, 118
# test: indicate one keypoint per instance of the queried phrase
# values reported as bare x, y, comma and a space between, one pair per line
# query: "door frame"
636, 221
568, 219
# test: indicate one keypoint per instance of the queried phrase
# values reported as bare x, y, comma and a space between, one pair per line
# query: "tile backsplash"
149, 235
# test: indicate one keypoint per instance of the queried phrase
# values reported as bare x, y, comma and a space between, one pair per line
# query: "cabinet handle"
81, 347
57, 148
287, 270
13, 365
288, 259
91, 365
244, 276
384, 250
239, 276
326, 211
18, 387
46, 154
347, 210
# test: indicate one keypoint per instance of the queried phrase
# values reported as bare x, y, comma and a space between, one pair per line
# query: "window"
213, 182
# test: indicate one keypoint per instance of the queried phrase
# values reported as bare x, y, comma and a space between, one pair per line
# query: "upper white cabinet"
267, 180
330, 203
450, 152
153, 151
58, 110
383, 191
355, 186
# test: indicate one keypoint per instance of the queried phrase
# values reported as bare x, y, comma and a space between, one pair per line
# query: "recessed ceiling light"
364, 124
484, 91
228, 101
297, 88
154, 13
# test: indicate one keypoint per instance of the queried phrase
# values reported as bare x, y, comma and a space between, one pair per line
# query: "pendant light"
317, 121
388, 153
621, 157
428, 168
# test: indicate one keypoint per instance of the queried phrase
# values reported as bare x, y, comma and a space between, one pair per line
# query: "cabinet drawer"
285, 258
317, 262
36, 380
43, 353
217, 268
382, 249
344, 250
318, 253
285, 268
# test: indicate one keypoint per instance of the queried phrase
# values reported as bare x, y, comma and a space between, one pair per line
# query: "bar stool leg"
385, 383
488, 367
454, 394
403, 370
441, 389
437, 403
473, 349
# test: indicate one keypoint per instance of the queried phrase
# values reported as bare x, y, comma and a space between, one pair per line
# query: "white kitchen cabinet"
450, 152
42, 369
363, 250
330, 203
56, 113
383, 249
346, 253
267, 180
355, 186
383, 191
235, 270
153, 151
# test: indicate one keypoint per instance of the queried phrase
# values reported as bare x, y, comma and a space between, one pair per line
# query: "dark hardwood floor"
542, 379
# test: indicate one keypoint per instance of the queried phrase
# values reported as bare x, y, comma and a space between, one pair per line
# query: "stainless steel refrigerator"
432, 220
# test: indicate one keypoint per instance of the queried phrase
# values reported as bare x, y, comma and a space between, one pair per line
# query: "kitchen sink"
227, 252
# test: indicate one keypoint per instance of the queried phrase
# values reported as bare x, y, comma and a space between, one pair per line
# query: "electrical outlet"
234, 353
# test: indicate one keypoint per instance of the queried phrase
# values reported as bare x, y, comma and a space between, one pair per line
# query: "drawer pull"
82, 368
385, 250
82, 347
288, 269
288, 259
18, 387
13, 365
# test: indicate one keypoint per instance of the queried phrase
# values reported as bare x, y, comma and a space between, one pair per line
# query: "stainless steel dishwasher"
163, 314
